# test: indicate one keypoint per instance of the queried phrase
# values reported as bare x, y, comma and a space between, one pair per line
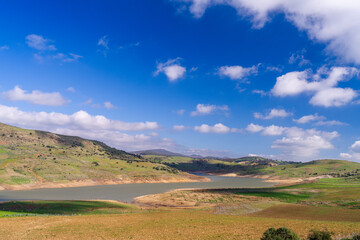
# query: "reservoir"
127, 192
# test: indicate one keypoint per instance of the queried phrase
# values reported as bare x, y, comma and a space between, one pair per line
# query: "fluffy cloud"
297, 143
333, 97
172, 69
309, 118
217, 128
206, 109
237, 72
79, 120
273, 130
335, 23
317, 120
253, 128
274, 113
40, 43
270, 130
354, 152
36, 97
324, 90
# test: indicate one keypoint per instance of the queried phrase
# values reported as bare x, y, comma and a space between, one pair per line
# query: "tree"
279, 234
319, 235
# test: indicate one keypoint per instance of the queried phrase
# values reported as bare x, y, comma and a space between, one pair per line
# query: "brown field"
297, 211
176, 224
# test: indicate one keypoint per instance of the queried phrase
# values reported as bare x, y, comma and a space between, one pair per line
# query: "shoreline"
88, 183
274, 179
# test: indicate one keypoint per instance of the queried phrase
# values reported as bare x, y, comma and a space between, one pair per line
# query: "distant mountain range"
166, 153
159, 152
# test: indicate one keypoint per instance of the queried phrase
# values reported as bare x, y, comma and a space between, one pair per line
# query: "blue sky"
212, 77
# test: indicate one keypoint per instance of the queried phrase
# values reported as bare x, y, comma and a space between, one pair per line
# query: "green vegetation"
261, 166
26, 208
320, 235
279, 234
334, 168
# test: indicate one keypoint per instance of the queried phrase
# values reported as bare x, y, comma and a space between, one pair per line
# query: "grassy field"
180, 224
20, 208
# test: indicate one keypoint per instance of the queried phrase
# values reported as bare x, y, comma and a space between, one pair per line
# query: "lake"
127, 192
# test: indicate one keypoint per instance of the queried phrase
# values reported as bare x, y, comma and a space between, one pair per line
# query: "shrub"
319, 235
355, 237
279, 234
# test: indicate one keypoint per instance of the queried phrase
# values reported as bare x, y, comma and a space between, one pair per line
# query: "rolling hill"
31, 159
330, 167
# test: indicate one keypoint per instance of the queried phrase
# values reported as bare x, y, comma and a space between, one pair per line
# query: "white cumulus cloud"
333, 97
35, 97
253, 128
172, 69
78, 120
324, 90
335, 23
354, 152
206, 109
309, 118
297, 143
274, 113
237, 72
217, 128
317, 120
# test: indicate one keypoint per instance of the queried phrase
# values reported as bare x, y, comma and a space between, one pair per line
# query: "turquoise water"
127, 192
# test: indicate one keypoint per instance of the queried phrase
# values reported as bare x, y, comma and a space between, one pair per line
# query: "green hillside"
261, 166
334, 168
36, 157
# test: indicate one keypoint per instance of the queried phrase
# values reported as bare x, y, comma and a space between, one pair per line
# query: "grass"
282, 196
63, 208
181, 224
305, 212
313, 169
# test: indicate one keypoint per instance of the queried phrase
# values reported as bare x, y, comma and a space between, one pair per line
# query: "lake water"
127, 192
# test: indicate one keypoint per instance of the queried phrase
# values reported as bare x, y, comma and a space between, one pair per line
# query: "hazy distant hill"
34, 158
159, 152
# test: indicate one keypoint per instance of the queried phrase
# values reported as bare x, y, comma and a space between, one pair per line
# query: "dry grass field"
175, 224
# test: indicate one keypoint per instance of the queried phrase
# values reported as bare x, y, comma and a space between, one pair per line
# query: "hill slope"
335, 168
30, 158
